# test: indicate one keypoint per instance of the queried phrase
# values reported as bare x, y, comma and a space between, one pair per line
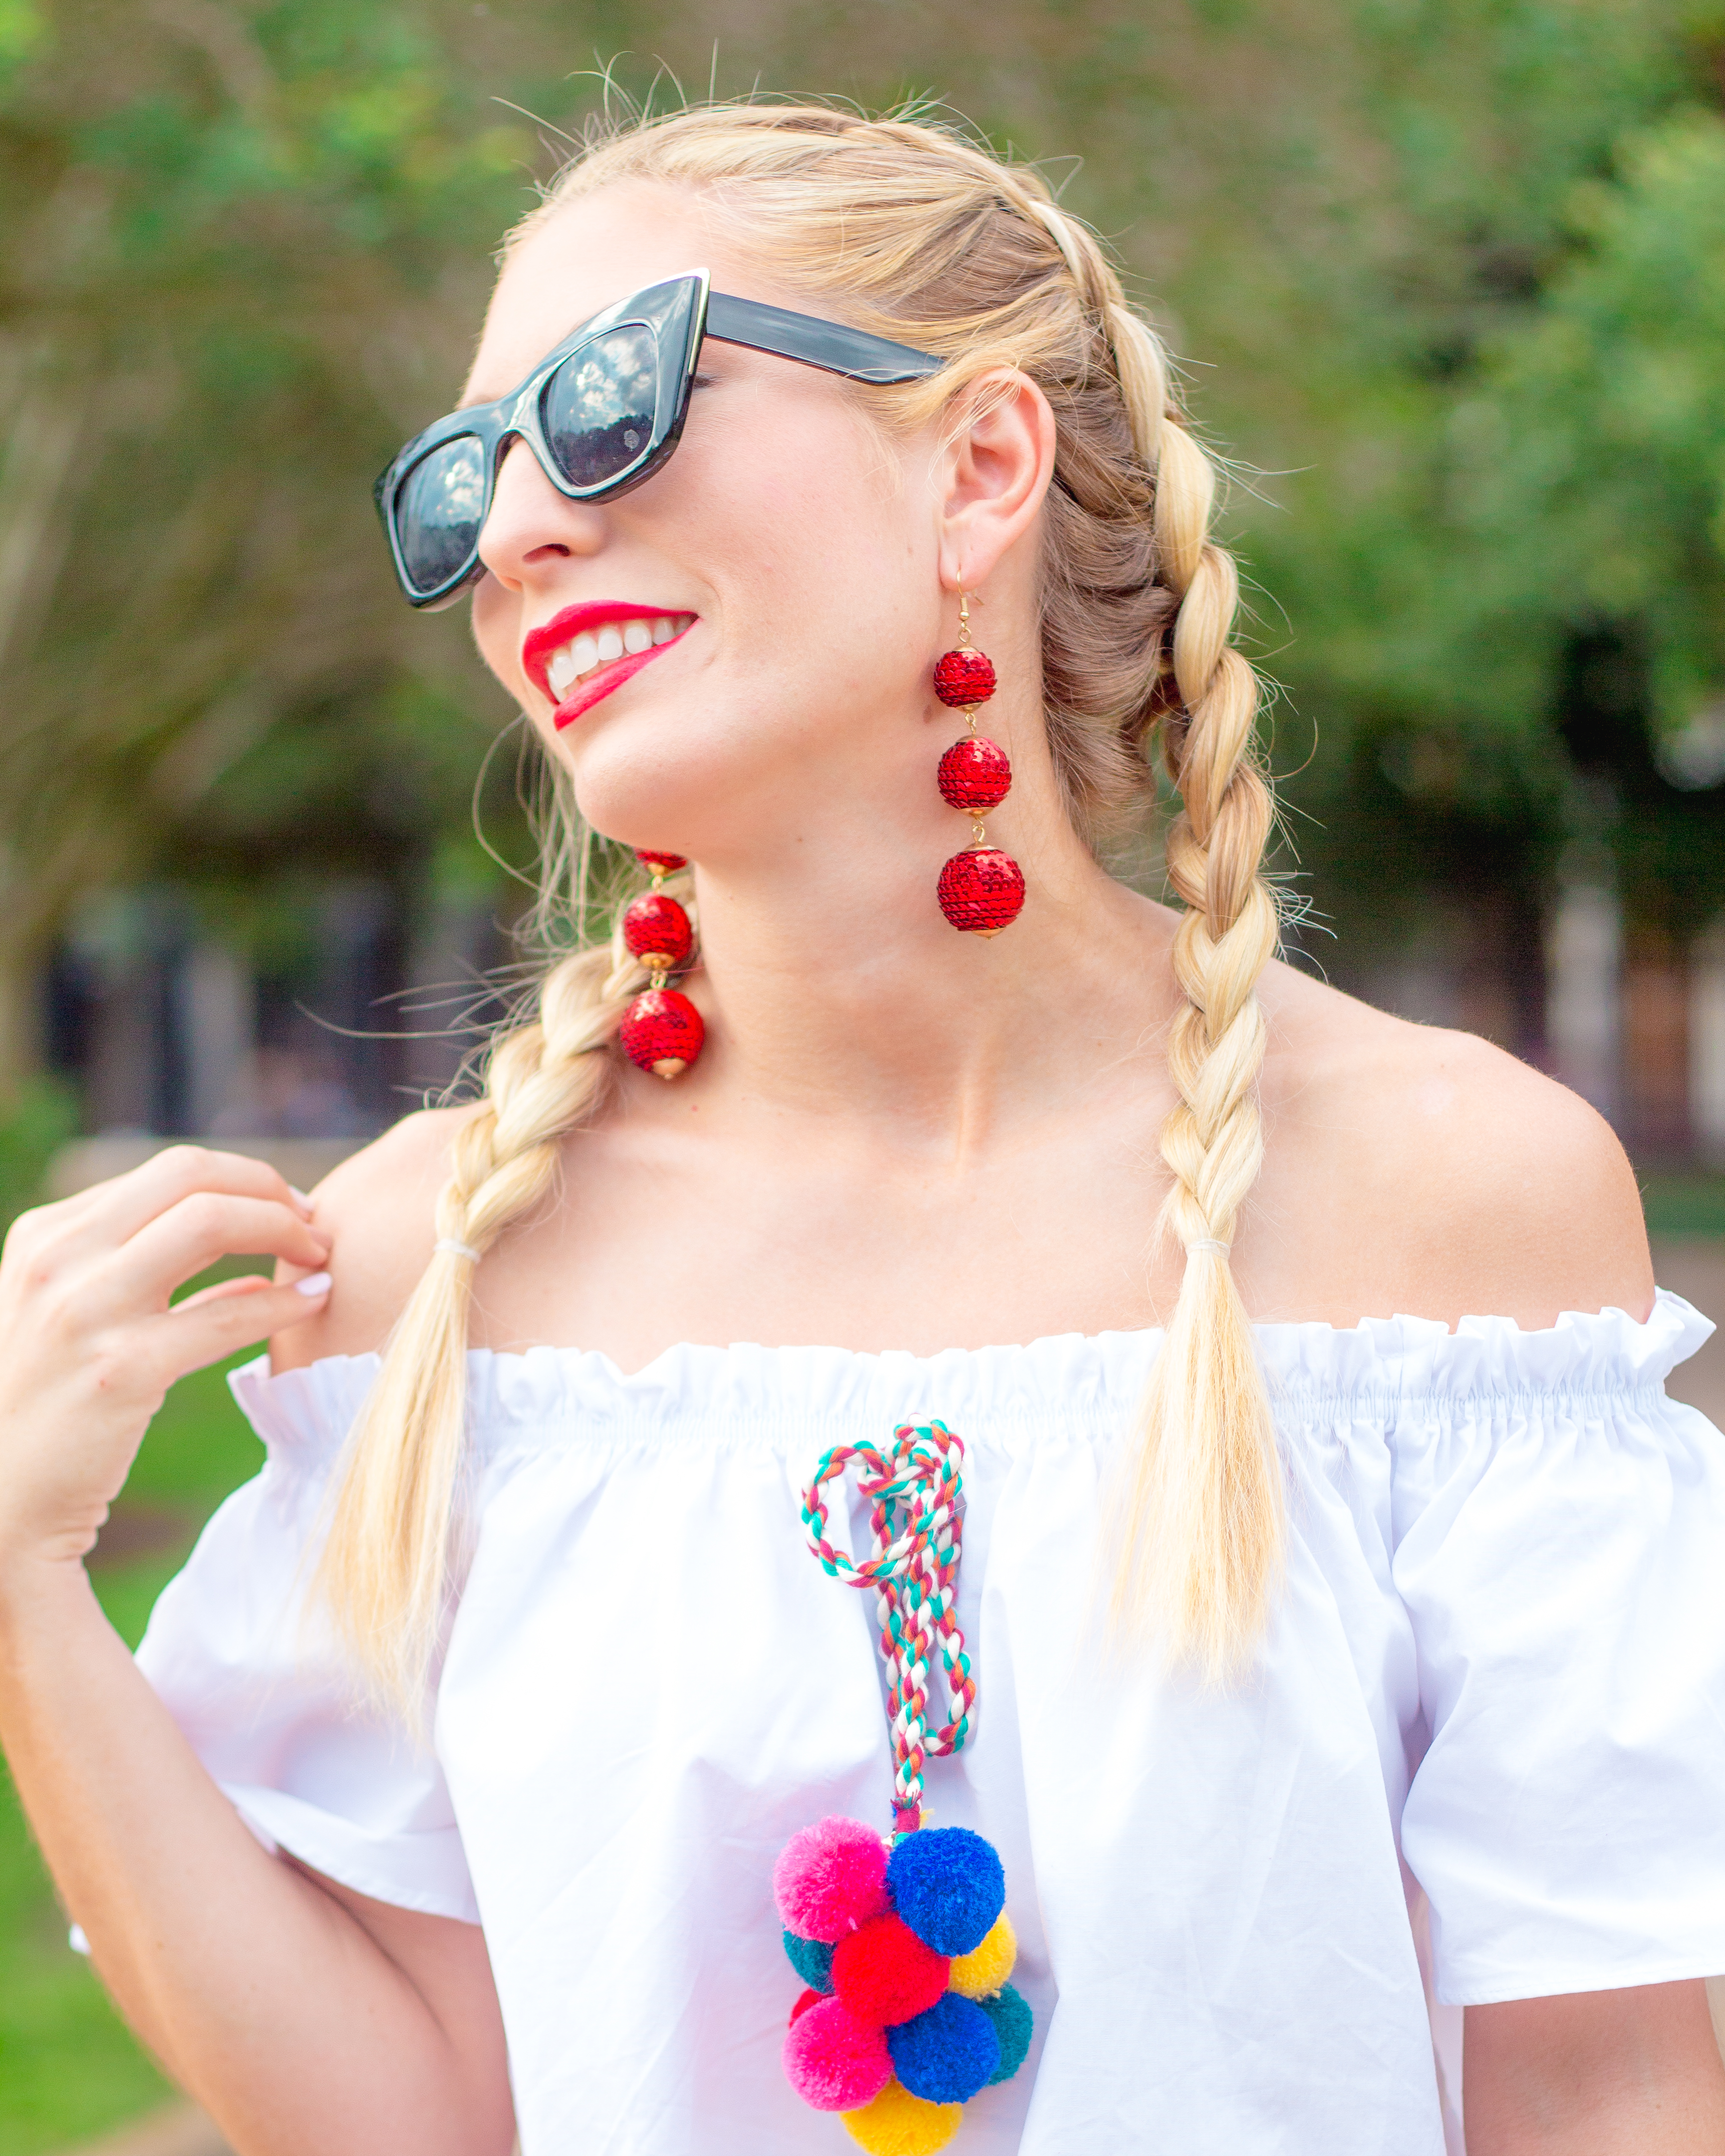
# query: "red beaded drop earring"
661, 1030
982, 889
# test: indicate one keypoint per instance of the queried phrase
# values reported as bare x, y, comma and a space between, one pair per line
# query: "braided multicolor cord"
916, 1518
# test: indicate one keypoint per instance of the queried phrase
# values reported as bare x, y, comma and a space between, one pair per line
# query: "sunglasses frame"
681, 313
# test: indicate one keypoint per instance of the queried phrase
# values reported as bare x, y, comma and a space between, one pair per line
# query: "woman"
1462, 1603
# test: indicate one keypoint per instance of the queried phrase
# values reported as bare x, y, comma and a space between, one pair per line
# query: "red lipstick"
540, 644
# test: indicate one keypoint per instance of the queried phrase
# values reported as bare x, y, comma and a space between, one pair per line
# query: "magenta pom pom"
833, 2061
830, 1878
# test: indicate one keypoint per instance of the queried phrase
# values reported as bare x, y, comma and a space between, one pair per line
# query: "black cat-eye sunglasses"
601, 411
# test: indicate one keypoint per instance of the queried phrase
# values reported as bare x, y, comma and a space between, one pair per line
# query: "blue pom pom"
1013, 2022
947, 2054
812, 1960
948, 1885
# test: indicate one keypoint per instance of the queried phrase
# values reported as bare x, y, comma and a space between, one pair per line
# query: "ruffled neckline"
1070, 1377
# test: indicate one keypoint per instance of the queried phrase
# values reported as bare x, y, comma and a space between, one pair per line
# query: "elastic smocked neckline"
1069, 1379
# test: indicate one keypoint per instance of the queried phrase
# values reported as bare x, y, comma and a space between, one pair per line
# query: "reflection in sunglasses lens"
437, 511
597, 410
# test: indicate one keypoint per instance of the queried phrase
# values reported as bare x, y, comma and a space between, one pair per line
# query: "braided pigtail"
386, 1564
1204, 1524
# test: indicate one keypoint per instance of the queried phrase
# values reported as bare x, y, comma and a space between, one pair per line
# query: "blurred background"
1448, 278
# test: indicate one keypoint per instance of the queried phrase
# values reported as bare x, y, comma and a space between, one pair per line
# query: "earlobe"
997, 472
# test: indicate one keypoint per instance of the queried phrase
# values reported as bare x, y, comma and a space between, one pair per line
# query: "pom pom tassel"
904, 1945
905, 1951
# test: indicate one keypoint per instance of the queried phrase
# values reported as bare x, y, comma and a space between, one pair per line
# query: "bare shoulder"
378, 1208
1463, 1182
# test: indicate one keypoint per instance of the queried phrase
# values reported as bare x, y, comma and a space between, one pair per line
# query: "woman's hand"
90, 1342
303, 2016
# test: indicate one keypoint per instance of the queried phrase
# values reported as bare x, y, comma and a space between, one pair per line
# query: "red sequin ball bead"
981, 890
974, 774
964, 677
662, 1032
660, 864
657, 930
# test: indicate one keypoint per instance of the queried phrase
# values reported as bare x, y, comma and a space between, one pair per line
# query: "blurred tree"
240, 253
1592, 466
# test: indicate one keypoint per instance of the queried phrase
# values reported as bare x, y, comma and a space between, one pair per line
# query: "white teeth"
565, 668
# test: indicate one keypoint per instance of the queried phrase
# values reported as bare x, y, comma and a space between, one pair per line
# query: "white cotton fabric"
1500, 1655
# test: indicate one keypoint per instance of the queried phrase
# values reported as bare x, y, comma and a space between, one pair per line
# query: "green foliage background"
1447, 274
1448, 277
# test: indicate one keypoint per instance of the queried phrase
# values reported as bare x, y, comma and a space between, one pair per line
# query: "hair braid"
385, 1565
1204, 1524
1203, 1528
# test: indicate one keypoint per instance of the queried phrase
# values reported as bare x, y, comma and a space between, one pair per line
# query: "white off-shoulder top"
1495, 1685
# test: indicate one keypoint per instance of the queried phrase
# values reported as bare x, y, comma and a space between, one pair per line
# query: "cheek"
497, 632
823, 567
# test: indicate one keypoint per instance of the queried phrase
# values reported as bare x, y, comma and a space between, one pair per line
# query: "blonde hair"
934, 242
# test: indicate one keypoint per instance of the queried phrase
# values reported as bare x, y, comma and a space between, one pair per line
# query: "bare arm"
1597, 2073
303, 2016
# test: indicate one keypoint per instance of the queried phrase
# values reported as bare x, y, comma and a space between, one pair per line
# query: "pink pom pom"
830, 1878
833, 2061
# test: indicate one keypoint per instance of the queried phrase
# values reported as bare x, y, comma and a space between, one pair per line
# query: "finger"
40, 1223
207, 1328
241, 1284
119, 1208
195, 1233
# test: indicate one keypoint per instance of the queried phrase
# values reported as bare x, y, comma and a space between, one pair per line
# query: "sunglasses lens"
598, 410
438, 508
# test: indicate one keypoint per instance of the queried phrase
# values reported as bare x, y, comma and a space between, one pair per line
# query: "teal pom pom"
813, 1961
946, 2055
947, 1884
1013, 2024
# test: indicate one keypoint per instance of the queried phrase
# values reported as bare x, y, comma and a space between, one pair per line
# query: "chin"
654, 773
641, 788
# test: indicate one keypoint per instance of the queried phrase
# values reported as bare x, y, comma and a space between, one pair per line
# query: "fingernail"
313, 1284
300, 1199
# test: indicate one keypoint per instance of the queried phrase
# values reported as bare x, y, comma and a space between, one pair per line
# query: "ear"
993, 477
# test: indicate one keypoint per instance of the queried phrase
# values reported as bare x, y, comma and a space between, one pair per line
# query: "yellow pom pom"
897, 2123
980, 1975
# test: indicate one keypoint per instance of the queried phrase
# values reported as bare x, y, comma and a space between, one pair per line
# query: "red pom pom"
982, 890
660, 864
657, 930
833, 2061
964, 678
885, 1975
830, 1878
806, 1997
974, 774
662, 1032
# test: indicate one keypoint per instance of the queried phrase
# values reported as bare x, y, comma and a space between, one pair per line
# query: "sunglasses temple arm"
832, 346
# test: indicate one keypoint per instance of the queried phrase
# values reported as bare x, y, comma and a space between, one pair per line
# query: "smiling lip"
540, 644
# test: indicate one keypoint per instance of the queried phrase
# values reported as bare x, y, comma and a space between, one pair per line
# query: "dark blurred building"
166, 1027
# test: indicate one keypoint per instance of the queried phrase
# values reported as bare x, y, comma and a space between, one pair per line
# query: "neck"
835, 984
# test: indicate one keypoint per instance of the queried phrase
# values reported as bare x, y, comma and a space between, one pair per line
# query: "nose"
530, 526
